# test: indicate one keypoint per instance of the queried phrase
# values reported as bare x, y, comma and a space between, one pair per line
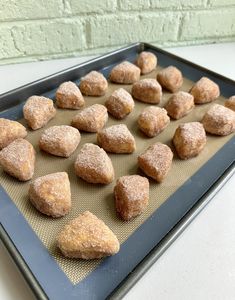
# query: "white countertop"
200, 264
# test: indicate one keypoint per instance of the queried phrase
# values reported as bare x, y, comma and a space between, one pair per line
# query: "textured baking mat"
98, 198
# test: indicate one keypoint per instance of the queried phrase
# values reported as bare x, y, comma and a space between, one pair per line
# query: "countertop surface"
200, 264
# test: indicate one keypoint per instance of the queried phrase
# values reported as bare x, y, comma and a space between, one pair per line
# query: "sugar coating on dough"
125, 72
170, 79
116, 139
179, 105
91, 119
93, 84
189, 139
156, 161
204, 91
131, 195
68, 95
147, 90
10, 131
51, 194
38, 111
87, 237
219, 120
230, 103
146, 61
60, 140
93, 165
120, 104
153, 120
18, 159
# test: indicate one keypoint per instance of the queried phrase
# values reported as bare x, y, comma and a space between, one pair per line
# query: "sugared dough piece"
153, 120
131, 196
219, 120
205, 90
38, 111
18, 159
147, 90
51, 194
146, 61
93, 84
87, 237
125, 72
170, 79
91, 119
179, 105
189, 139
10, 131
230, 103
93, 165
116, 139
120, 104
60, 140
68, 95
156, 161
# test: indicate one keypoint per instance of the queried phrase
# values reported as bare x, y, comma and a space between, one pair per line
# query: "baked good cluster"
86, 236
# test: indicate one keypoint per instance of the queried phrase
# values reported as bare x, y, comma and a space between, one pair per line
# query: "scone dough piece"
87, 237
120, 104
18, 159
51, 194
204, 91
91, 119
60, 140
93, 84
116, 139
146, 61
10, 131
38, 111
230, 103
147, 90
93, 165
179, 105
68, 95
189, 139
125, 72
153, 120
131, 195
156, 161
170, 79
219, 120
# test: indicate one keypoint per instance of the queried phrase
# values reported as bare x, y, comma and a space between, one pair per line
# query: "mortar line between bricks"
99, 51
71, 17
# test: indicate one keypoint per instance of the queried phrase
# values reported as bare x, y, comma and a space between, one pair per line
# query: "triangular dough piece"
93, 84
51, 195
87, 237
93, 165
10, 131
91, 119
116, 139
68, 95
18, 159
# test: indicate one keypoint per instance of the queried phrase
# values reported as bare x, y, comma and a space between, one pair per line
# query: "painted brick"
221, 2
114, 30
43, 38
133, 5
94, 6
179, 4
207, 24
28, 9
7, 45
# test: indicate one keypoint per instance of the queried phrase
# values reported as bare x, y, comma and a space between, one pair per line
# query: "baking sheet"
97, 198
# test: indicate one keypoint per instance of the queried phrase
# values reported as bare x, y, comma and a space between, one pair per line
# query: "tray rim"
170, 237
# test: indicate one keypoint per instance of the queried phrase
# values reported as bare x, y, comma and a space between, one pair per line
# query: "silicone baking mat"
99, 198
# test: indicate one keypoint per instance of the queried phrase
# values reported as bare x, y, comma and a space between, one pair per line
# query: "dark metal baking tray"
114, 276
